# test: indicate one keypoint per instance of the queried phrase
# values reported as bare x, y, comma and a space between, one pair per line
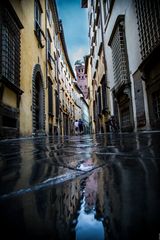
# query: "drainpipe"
57, 96
46, 42
46, 84
57, 76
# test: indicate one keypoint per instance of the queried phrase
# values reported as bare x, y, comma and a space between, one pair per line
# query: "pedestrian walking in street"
76, 127
80, 125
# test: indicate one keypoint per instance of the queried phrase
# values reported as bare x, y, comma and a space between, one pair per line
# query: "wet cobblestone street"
81, 187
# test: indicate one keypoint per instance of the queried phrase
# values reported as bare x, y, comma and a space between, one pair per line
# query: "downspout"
46, 58
46, 42
58, 90
58, 31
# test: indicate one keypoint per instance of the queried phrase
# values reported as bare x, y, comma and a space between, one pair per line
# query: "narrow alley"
80, 119
101, 187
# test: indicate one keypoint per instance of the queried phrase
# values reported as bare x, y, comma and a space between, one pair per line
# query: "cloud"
77, 54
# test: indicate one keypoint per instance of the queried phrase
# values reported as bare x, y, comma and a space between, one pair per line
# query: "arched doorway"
38, 101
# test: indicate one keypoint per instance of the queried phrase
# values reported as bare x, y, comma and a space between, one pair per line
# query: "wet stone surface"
81, 187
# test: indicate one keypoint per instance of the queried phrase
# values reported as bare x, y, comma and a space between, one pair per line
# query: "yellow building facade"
36, 77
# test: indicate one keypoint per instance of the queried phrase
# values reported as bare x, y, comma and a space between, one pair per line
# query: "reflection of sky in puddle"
87, 165
88, 227
84, 167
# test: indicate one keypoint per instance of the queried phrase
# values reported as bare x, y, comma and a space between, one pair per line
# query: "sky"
75, 26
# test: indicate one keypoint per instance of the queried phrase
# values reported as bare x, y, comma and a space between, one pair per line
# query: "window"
48, 43
107, 6
49, 55
10, 49
38, 30
37, 12
48, 10
104, 8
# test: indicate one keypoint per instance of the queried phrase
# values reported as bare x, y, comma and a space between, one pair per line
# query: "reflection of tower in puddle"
91, 192
90, 222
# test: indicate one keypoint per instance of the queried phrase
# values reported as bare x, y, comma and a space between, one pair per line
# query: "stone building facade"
131, 45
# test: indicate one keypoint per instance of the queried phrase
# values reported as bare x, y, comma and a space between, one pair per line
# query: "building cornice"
55, 15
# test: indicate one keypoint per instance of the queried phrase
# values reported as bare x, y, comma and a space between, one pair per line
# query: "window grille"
148, 16
119, 56
10, 58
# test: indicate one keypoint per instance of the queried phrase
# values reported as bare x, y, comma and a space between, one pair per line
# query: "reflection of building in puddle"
44, 214
10, 166
67, 198
131, 181
88, 226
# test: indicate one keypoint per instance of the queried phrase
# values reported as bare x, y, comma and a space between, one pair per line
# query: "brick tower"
81, 77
